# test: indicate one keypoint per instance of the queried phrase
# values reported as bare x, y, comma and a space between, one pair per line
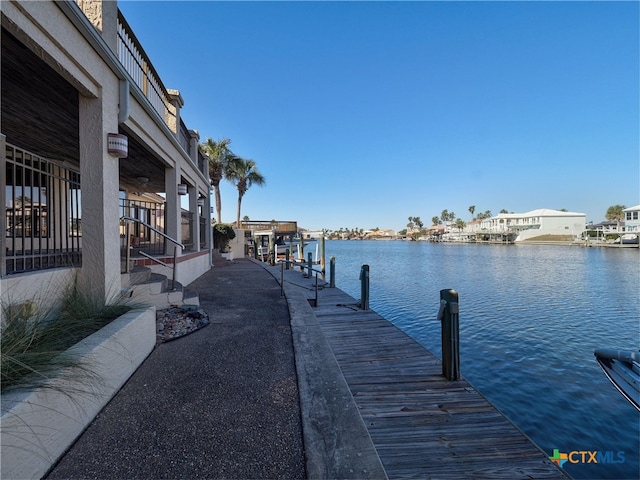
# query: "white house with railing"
632, 219
529, 225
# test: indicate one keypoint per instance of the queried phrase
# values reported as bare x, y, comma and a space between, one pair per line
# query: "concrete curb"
336, 441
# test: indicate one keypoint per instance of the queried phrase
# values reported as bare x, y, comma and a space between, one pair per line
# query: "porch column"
194, 138
3, 202
172, 210
172, 116
208, 237
100, 273
195, 218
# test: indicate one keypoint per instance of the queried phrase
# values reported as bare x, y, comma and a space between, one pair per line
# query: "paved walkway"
222, 402
268, 390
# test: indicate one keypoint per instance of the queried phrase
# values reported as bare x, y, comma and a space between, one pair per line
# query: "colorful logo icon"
586, 456
559, 458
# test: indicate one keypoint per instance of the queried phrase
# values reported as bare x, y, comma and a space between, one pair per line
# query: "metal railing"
203, 232
203, 164
177, 244
184, 137
187, 228
137, 64
149, 212
43, 213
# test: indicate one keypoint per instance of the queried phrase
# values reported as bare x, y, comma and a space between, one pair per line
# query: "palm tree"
485, 215
435, 220
218, 154
472, 209
242, 173
615, 213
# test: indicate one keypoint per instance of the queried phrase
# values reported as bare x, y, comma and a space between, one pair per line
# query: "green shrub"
222, 233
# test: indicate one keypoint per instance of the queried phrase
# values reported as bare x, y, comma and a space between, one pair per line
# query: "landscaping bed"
38, 425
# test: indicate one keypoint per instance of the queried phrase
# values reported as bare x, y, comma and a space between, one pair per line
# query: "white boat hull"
622, 368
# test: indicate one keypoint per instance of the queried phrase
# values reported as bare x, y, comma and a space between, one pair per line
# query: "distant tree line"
414, 227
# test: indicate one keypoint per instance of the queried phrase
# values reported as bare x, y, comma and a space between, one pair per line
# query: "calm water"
530, 319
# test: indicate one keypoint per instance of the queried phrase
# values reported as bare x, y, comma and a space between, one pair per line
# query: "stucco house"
474, 226
95, 155
632, 219
537, 223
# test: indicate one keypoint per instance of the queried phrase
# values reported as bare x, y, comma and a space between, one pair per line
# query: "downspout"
124, 107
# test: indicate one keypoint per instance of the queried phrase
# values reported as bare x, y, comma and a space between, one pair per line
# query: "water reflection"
531, 317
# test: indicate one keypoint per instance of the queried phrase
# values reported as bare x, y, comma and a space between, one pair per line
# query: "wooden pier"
421, 425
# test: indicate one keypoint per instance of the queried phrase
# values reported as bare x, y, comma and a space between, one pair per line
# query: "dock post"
309, 264
449, 316
272, 251
364, 287
291, 250
316, 302
332, 272
286, 258
281, 280
322, 255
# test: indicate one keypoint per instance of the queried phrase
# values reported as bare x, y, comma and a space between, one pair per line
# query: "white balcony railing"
138, 65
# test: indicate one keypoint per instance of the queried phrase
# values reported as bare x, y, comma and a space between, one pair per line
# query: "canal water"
530, 319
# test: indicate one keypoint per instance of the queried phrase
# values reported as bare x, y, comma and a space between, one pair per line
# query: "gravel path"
221, 402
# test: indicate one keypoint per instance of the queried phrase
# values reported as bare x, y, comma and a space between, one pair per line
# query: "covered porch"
98, 169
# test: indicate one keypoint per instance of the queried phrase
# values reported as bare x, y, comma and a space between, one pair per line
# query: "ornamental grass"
35, 342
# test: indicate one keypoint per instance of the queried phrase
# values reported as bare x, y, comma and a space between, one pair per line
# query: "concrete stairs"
149, 288
217, 260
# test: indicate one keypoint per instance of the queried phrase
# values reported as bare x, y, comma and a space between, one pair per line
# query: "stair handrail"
151, 227
159, 232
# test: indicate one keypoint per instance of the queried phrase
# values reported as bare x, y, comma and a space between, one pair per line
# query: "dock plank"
422, 425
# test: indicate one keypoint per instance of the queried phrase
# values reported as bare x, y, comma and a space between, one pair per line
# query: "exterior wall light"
117, 145
182, 189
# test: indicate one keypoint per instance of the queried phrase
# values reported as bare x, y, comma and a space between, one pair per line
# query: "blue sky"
361, 114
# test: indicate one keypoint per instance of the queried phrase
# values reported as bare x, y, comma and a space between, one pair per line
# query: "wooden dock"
421, 425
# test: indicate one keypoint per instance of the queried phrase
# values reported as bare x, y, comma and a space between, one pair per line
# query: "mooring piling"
364, 287
449, 316
332, 272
